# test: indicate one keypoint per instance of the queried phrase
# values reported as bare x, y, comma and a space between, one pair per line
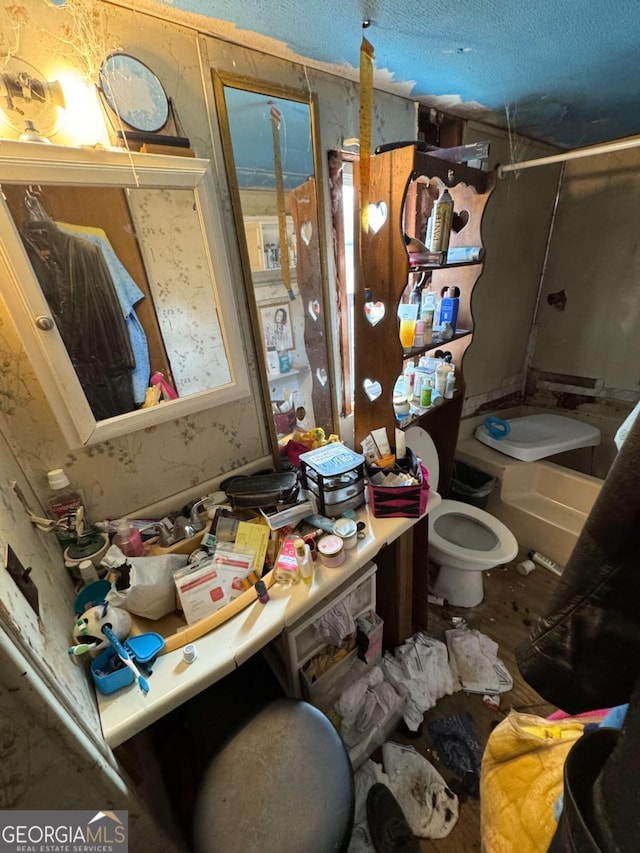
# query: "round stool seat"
283, 782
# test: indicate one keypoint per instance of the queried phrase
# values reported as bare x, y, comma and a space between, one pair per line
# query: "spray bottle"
439, 228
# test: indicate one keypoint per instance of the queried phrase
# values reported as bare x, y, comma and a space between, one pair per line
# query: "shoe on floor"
390, 832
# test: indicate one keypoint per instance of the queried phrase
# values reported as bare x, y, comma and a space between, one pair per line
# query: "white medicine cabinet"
118, 280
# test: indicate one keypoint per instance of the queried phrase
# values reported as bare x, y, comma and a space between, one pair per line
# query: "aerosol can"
439, 227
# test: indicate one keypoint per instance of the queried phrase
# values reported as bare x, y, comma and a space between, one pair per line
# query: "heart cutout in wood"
377, 216
459, 221
314, 309
374, 312
306, 232
322, 376
372, 389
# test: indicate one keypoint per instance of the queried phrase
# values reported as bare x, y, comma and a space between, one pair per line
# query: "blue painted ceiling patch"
566, 72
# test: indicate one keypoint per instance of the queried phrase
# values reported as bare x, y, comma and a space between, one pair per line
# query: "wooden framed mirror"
271, 156
117, 273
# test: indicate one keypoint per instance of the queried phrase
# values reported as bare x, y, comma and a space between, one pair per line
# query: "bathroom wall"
514, 230
587, 355
121, 475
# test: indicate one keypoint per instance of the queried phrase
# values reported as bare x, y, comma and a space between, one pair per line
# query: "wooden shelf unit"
404, 180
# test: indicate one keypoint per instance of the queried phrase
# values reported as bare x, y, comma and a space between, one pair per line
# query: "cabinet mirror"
270, 149
119, 286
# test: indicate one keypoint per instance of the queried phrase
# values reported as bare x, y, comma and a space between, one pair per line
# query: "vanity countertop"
129, 711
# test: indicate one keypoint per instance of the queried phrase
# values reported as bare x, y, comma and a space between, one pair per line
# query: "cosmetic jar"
347, 530
331, 550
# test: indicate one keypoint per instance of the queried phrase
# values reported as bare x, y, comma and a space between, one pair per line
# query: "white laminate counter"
128, 711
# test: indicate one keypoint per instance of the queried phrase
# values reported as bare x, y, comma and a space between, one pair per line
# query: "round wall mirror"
134, 92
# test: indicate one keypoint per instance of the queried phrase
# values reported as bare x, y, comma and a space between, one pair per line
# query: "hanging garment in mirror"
117, 273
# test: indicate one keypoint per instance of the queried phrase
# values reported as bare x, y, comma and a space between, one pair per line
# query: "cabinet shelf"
418, 412
448, 266
413, 352
294, 371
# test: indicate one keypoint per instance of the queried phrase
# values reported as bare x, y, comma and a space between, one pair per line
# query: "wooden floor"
512, 603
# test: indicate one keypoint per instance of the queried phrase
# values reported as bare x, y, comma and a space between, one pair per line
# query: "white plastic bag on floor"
363, 779
431, 809
365, 705
474, 662
421, 665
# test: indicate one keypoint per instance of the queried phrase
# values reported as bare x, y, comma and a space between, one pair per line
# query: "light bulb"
31, 134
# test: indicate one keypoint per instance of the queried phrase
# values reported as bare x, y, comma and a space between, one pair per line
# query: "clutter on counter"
181, 576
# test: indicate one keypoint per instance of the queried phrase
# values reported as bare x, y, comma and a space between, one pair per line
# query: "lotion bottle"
304, 561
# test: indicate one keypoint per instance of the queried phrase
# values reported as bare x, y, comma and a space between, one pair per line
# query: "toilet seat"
505, 549
459, 580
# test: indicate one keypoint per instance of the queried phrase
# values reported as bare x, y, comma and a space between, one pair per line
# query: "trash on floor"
474, 662
455, 741
421, 665
430, 807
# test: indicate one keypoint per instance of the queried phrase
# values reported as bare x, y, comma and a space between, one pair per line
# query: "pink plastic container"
331, 550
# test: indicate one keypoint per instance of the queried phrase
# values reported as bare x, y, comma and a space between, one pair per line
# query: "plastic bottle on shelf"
441, 378
447, 332
409, 379
66, 505
419, 334
128, 539
304, 561
426, 393
450, 385
449, 307
415, 297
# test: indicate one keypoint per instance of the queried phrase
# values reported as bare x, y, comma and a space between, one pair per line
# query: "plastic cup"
407, 332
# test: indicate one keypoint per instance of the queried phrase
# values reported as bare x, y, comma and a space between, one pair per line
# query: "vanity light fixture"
28, 102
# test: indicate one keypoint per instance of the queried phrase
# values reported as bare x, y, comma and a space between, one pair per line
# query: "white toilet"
463, 540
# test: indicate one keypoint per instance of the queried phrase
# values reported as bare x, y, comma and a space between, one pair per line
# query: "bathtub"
543, 503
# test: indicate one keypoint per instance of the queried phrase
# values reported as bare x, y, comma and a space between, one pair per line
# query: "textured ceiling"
564, 71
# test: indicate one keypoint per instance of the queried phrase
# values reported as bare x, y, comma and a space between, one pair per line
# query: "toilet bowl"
463, 539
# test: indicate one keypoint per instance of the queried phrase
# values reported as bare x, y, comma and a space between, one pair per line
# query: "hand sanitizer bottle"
128, 539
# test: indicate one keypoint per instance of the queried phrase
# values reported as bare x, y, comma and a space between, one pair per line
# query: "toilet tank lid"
422, 445
534, 437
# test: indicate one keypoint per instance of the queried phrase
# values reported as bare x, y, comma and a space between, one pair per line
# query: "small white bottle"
409, 379
450, 385
305, 563
441, 378
88, 572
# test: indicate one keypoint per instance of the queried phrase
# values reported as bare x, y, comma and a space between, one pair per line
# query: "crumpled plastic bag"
152, 589
430, 807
